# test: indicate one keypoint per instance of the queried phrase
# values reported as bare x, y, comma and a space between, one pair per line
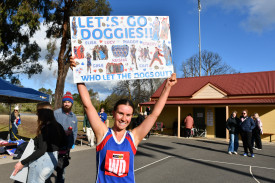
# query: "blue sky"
241, 32
227, 28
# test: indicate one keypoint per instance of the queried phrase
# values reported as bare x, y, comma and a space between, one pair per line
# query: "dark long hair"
124, 102
45, 116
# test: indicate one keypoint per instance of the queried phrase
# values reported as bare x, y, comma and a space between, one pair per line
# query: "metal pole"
9, 134
226, 117
179, 122
199, 8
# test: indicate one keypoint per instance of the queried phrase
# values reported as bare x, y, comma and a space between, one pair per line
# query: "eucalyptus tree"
19, 21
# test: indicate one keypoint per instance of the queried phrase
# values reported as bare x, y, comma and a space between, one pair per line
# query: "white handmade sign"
22, 175
121, 47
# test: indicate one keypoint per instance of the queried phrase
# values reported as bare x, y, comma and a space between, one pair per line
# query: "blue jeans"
233, 143
42, 168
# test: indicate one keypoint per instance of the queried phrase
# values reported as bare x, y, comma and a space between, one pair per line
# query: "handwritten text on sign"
121, 47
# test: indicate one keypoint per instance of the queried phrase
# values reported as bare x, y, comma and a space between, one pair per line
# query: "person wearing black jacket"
247, 125
233, 125
139, 119
50, 138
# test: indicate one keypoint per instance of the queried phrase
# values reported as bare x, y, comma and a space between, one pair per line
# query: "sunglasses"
243, 113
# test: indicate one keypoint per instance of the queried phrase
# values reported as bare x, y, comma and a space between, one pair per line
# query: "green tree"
20, 19
60, 28
78, 107
49, 92
31, 107
46, 91
211, 64
18, 22
110, 101
138, 90
94, 98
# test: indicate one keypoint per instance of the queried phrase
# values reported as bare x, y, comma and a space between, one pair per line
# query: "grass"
26, 130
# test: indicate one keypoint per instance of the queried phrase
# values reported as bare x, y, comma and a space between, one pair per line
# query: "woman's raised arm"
97, 125
142, 130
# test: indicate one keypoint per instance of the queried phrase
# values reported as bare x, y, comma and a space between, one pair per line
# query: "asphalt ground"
172, 160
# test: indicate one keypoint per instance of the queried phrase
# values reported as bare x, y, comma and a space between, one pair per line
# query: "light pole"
199, 8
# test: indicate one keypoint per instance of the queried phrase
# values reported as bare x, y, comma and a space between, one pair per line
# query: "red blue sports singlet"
115, 160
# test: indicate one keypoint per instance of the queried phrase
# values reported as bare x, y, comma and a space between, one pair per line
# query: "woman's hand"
172, 80
17, 168
72, 62
68, 132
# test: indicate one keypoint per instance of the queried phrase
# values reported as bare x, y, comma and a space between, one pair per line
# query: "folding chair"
157, 127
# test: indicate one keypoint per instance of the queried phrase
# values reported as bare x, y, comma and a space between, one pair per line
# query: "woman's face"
234, 114
122, 116
244, 113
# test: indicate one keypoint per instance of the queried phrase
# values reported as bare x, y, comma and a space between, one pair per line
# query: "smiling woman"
123, 112
116, 147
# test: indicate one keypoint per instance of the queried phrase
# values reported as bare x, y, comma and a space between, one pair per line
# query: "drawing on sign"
121, 47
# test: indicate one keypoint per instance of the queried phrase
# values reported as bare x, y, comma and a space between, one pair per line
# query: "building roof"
256, 83
234, 101
243, 88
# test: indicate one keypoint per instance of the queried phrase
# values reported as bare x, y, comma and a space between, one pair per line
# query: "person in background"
145, 114
148, 111
149, 133
102, 115
84, 126
50, 138
189, 122
15, 121
68, 120
233, 125
139, 120
256, 133
247, 125
89, 131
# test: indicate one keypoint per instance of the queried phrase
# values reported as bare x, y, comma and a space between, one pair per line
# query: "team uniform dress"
115, 160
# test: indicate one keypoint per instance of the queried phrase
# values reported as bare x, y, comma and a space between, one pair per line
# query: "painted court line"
221, 162
152, 163
250, 169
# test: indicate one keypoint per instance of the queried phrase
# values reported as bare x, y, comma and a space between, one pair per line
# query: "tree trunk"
139, 92
129, 89
152, 90
63, 65
60, 84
